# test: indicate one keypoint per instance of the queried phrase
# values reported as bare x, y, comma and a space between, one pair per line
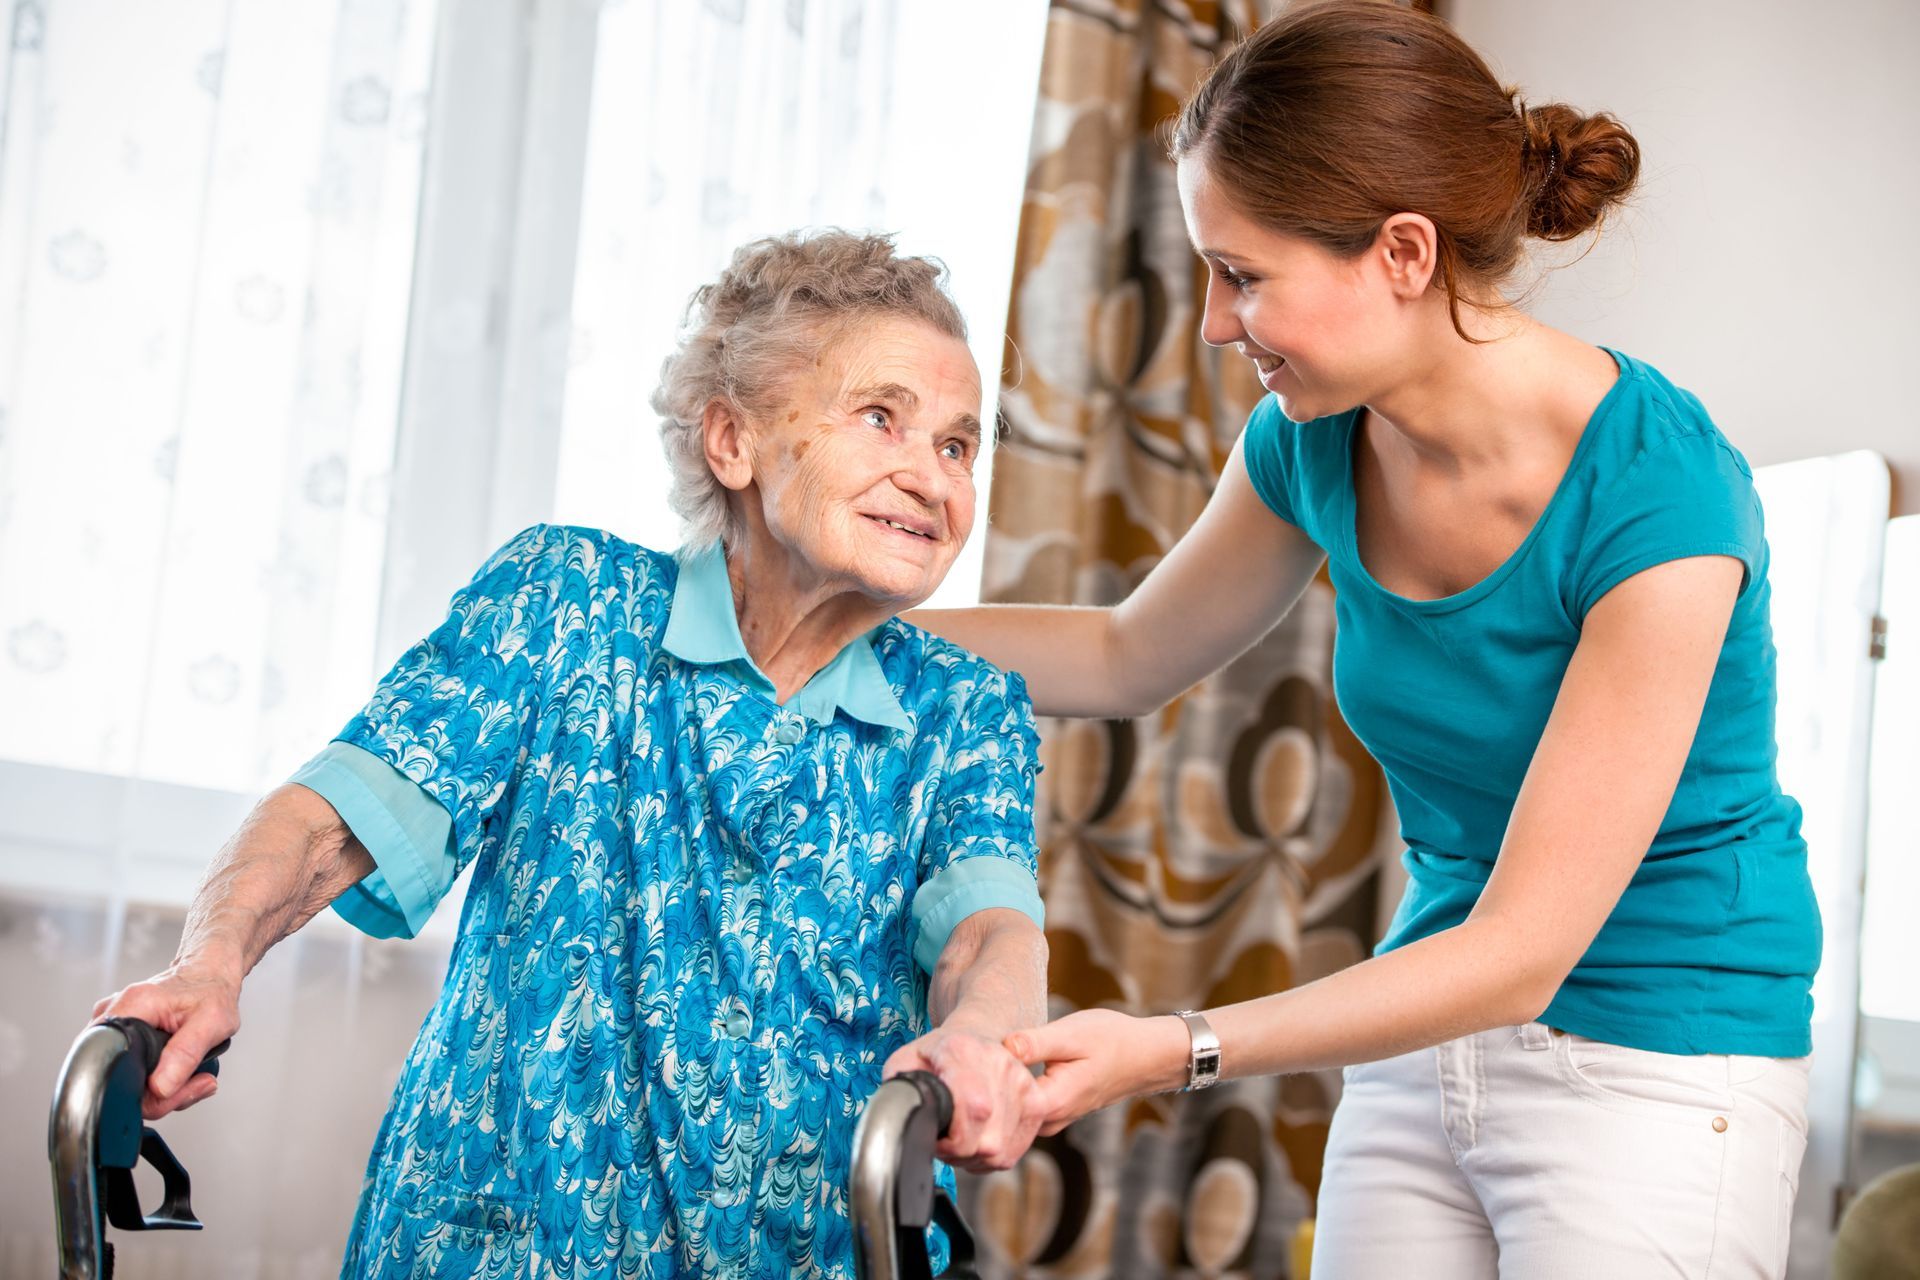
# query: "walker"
95, 1136
894, 1197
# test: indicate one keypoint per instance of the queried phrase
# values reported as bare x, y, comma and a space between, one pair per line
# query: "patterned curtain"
1225, 847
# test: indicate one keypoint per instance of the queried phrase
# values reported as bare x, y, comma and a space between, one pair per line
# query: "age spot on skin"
793, 416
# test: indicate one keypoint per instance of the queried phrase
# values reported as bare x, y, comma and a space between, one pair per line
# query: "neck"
1473, 404
793, 619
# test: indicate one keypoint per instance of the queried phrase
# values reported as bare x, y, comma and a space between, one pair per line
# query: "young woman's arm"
1599, 784
1222, 587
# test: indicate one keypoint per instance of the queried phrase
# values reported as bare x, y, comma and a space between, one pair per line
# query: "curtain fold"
1227, 846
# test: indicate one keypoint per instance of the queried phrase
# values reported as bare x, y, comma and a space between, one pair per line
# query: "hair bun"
1578, 168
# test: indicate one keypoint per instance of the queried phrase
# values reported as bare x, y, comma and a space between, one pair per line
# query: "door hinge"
1877, 639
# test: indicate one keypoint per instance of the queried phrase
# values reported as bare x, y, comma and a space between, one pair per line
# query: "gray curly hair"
775, 307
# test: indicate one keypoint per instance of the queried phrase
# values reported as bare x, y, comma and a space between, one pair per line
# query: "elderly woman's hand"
1098, 1057
997, 1107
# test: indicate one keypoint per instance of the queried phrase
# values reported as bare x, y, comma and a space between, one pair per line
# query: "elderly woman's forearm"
991, 978
291, 857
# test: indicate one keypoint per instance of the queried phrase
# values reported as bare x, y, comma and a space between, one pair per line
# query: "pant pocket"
1793, 1149
1682, 1088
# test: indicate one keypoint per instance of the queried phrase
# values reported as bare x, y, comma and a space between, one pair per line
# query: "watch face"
1207, 1064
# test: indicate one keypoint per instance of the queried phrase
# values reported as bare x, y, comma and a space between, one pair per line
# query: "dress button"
1719, 1124
790, 732
739, 1021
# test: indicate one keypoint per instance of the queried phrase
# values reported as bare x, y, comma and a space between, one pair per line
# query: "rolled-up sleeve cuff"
961, 888
402, 826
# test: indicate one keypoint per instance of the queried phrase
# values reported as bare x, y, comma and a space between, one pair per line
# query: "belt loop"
1535, 1036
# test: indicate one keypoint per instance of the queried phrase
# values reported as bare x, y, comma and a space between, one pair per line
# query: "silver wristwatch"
1203, 1066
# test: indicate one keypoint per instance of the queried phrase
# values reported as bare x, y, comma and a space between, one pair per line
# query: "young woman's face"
1325, 331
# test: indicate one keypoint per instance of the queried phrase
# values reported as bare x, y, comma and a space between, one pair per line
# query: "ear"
1409, 248
723, 433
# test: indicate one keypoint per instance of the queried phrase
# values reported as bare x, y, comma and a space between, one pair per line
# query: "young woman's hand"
1097, 1057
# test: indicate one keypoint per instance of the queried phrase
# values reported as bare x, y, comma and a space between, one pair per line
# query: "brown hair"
1335, 116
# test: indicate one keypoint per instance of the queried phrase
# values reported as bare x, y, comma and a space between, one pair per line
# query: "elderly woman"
726, 814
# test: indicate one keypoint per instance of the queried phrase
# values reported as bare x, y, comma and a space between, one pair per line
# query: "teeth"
895, 524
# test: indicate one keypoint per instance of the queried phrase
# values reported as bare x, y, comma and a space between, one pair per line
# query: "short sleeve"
1689, 495
979, 845
409, 835
457, 709
1270, 446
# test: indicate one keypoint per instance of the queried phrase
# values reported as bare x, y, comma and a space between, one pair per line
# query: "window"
205, 241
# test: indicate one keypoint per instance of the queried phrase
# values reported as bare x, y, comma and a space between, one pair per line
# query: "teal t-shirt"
1713, 947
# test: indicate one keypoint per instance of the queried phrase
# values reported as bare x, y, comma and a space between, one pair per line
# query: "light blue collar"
702, 628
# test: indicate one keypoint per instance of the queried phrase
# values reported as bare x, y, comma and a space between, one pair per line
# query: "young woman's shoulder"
1299, 469
1659, 482
1654, 412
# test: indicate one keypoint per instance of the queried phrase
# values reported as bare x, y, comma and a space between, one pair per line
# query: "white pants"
1524, 1152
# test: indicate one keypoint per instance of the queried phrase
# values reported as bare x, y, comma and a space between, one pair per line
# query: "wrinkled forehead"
899, 353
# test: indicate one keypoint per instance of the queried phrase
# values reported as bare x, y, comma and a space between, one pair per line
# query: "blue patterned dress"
699, 922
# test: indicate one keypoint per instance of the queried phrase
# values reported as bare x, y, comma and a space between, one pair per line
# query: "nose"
1219, 326
922, 475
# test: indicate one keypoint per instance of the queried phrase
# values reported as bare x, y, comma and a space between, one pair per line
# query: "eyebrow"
893, 392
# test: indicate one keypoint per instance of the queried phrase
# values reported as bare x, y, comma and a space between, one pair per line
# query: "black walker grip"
936, 1093
145, 1042
124, 1140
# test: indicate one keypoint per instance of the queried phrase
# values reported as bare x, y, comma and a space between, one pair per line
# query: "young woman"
1580, 1049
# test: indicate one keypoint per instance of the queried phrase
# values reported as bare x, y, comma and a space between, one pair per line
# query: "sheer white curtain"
206, 225
207, 218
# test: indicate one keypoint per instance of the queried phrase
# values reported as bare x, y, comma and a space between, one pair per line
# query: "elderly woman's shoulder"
596, 558
917, 659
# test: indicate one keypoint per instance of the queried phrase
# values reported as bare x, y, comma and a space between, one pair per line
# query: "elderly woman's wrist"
981, 1023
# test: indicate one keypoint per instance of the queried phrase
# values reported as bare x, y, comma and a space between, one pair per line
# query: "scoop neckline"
1350, 523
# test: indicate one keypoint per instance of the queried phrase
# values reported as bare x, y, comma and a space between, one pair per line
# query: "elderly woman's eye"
875, 418
955, 450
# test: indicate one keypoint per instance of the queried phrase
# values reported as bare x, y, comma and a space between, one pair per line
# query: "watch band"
1203, 1064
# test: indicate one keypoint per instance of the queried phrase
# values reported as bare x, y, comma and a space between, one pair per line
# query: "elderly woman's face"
865, 470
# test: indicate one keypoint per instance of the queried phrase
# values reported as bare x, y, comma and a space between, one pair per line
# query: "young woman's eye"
876, 417
1233, 279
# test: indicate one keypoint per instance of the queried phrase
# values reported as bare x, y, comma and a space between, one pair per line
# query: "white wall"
1768, 264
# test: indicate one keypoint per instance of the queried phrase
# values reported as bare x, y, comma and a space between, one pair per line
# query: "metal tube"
73, 1134
878, 1143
